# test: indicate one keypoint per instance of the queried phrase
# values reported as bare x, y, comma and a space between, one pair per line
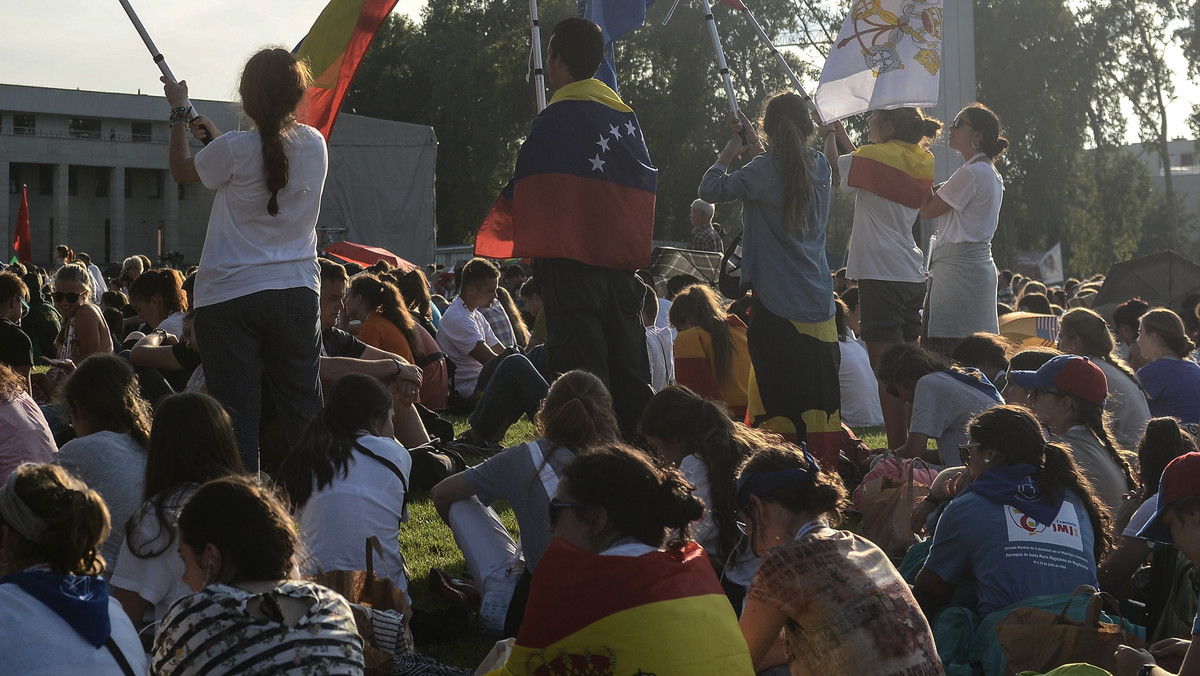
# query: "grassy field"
427, 543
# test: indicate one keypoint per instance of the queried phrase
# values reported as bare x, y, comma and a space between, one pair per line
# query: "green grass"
427, 543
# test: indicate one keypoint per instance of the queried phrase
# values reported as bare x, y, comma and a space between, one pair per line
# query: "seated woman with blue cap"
842, 605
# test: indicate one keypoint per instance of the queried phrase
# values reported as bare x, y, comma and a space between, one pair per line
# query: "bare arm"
1124, 561
935, 206
932, 592
179, 153
760, 623
449, 491
483, 354
92, 331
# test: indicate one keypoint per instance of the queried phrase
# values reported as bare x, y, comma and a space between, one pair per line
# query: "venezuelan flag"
898, 171
333, 49
583, 187
696, 369
660, 613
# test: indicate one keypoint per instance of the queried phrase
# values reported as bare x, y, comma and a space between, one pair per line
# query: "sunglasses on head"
67, 297
557, 506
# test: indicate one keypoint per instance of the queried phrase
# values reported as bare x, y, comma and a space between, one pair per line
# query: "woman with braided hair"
257, 289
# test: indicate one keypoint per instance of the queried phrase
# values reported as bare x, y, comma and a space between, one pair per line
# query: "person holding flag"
890, 179
581, 204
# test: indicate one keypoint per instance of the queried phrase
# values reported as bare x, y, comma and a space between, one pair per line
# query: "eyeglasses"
959, 122
24, 308
557, 506
1037, 393
67, 297
964, 452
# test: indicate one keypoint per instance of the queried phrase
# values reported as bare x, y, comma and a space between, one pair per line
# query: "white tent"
380, 188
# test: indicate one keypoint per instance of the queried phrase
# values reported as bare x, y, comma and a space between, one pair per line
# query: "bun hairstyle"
273, 85
642, 498
57, 519
1169, 328
912, 126
65, 253
790, 128
987, 123
577, 412
164, 283
784, 474
247, 524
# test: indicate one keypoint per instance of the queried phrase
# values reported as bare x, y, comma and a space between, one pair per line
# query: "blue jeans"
515, 389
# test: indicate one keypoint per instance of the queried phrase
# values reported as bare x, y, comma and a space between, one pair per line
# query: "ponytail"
1094, 417
789, 129
383, 295
273, 85
1059, 471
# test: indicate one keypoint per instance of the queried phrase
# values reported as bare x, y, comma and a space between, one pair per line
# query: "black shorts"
890, 311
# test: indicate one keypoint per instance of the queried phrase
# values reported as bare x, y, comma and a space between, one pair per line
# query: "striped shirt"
211, 631
497, 318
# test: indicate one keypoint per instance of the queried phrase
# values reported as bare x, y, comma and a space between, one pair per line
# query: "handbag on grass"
888, 494
1040, 640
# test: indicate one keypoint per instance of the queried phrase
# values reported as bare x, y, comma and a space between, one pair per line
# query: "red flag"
333, 50
736, 4
22, 244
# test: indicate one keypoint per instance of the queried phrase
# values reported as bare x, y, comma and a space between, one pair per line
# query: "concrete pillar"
61, 230
116, 211
6, 208
171, 200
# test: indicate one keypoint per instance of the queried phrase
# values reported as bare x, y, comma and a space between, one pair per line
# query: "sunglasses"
964, 452
557, 506
959, 123
67, 297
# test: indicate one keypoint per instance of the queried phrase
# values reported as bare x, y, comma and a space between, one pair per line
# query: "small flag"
1051, 265
887, 55
615, 18
22, 243
333, 50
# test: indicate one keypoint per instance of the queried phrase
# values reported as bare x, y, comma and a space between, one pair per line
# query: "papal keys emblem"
878, 31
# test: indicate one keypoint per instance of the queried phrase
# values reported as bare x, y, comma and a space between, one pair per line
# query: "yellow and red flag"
22, 244
598, 614
333, 50
695, 366
898, 171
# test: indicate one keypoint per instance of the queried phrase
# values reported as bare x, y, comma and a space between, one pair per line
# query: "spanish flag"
895, 170
659, 613
696, 369
583, 187
333, 50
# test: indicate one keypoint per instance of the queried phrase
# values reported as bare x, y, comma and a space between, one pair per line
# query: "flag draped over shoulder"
333, 50
22, 243
887, 55
695, 366
898, 171
583, 187
615, 18
660, 613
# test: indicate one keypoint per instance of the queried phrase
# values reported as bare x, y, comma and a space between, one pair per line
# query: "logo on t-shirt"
1063, 532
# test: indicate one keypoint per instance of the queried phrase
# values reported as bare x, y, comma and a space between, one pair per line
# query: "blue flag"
615, 18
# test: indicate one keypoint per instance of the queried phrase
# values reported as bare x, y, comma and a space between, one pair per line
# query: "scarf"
1018, 487
80, 600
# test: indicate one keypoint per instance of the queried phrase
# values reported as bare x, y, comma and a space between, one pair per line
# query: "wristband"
399, 366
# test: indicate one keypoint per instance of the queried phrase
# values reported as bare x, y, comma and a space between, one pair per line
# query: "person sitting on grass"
711, 354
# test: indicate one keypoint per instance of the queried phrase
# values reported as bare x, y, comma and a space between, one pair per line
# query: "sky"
91, 44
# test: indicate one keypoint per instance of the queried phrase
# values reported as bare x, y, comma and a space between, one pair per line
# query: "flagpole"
539, 74
778, 57
716, 40
160, 60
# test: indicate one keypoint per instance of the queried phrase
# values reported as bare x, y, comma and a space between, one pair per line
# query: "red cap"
1181, 479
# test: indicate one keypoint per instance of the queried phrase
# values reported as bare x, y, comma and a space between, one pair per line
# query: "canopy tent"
380, 187
1161, 279
367, 256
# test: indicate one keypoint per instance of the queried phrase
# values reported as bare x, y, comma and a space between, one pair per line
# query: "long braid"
273, 84
1093, 416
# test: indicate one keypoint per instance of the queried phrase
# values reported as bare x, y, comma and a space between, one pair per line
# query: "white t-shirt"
158, 579
246, 249
369, 500
942, 407
974, 194
660, 345
860, 390
881, 242
460, 332
664, 320
113, 465
37, 641
173, 325
741, 569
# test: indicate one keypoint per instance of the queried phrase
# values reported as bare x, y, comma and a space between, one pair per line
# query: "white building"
95, 165
1185, 170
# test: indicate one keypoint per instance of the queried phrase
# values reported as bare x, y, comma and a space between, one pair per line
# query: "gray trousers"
272, 336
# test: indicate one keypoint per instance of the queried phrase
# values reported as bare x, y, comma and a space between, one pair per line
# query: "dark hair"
1130, 312
987, 123
332, 271
789, 129
114, 319
699, 306
414, 287
580, 45
643, 499
105, 389
911, 125
273, 85
63, 250
114, 299
164, 283
191, 442
381, 294
531, 288
578, 412
649, 305
1170, 329
1032, 358
823, 495
707, 429
1095, 340
33, 282
476, 271
839, 318
1034, 302
11, 285
1163, 441
680, 282
246, 523
84, 258
850, 298
354, 403
982, 348
1016, 436
76, 519
1033, 286
513, 270
905, 363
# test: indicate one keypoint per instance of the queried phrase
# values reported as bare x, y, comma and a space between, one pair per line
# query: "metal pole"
716, 40
539, 74
778, 57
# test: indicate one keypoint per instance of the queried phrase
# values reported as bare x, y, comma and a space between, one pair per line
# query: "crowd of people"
183, 453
